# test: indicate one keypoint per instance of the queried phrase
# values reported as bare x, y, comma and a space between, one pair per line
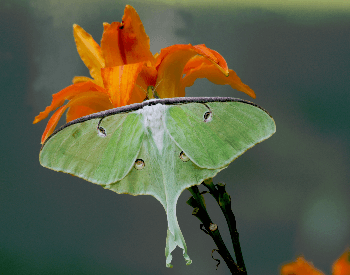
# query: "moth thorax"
153, 119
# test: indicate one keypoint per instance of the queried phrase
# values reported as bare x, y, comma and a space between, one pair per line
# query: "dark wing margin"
165, 101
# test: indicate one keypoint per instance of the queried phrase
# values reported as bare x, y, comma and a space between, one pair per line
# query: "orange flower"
342, 265
302, 267
123, 67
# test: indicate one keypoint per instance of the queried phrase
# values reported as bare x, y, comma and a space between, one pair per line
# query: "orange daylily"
302, 267
123, 67
342, 265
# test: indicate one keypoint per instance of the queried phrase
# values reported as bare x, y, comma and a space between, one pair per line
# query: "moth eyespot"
139, 164
101, 131
183, 156
76, 133
213, 227
208, 116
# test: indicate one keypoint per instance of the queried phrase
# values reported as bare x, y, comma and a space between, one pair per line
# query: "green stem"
224, 201
198, 203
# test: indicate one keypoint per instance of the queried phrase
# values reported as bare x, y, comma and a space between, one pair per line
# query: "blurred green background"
290, 193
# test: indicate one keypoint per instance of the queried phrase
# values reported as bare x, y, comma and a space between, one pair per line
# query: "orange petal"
215, 57
342, 265
112, 49
136, 41
147, 77
75, 112
67, 94
170, 64
300, 267
195, 62
79, 79
119, 81
52, 123
165, 52
85, 104
213, 74
89, 52
127, 42
94, 100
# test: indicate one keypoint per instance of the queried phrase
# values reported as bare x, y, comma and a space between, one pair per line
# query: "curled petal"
120, 81
67, 94
342, 265
126, 42
215, 57
206, 51
174, 49
89, 52
94, 100
300, 267
80, 79
171, 63
195, 62
213, 74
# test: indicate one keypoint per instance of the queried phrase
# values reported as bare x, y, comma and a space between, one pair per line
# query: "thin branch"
198, 203
224, 200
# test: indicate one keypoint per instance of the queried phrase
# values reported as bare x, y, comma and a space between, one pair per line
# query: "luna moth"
158, 147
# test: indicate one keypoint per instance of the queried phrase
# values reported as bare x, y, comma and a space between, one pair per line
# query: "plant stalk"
198, 203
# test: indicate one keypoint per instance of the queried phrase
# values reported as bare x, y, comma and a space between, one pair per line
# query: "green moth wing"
159, 147
215, 133
99, 151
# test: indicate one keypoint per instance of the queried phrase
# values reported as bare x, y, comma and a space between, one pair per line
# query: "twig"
224, 201
198, 203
